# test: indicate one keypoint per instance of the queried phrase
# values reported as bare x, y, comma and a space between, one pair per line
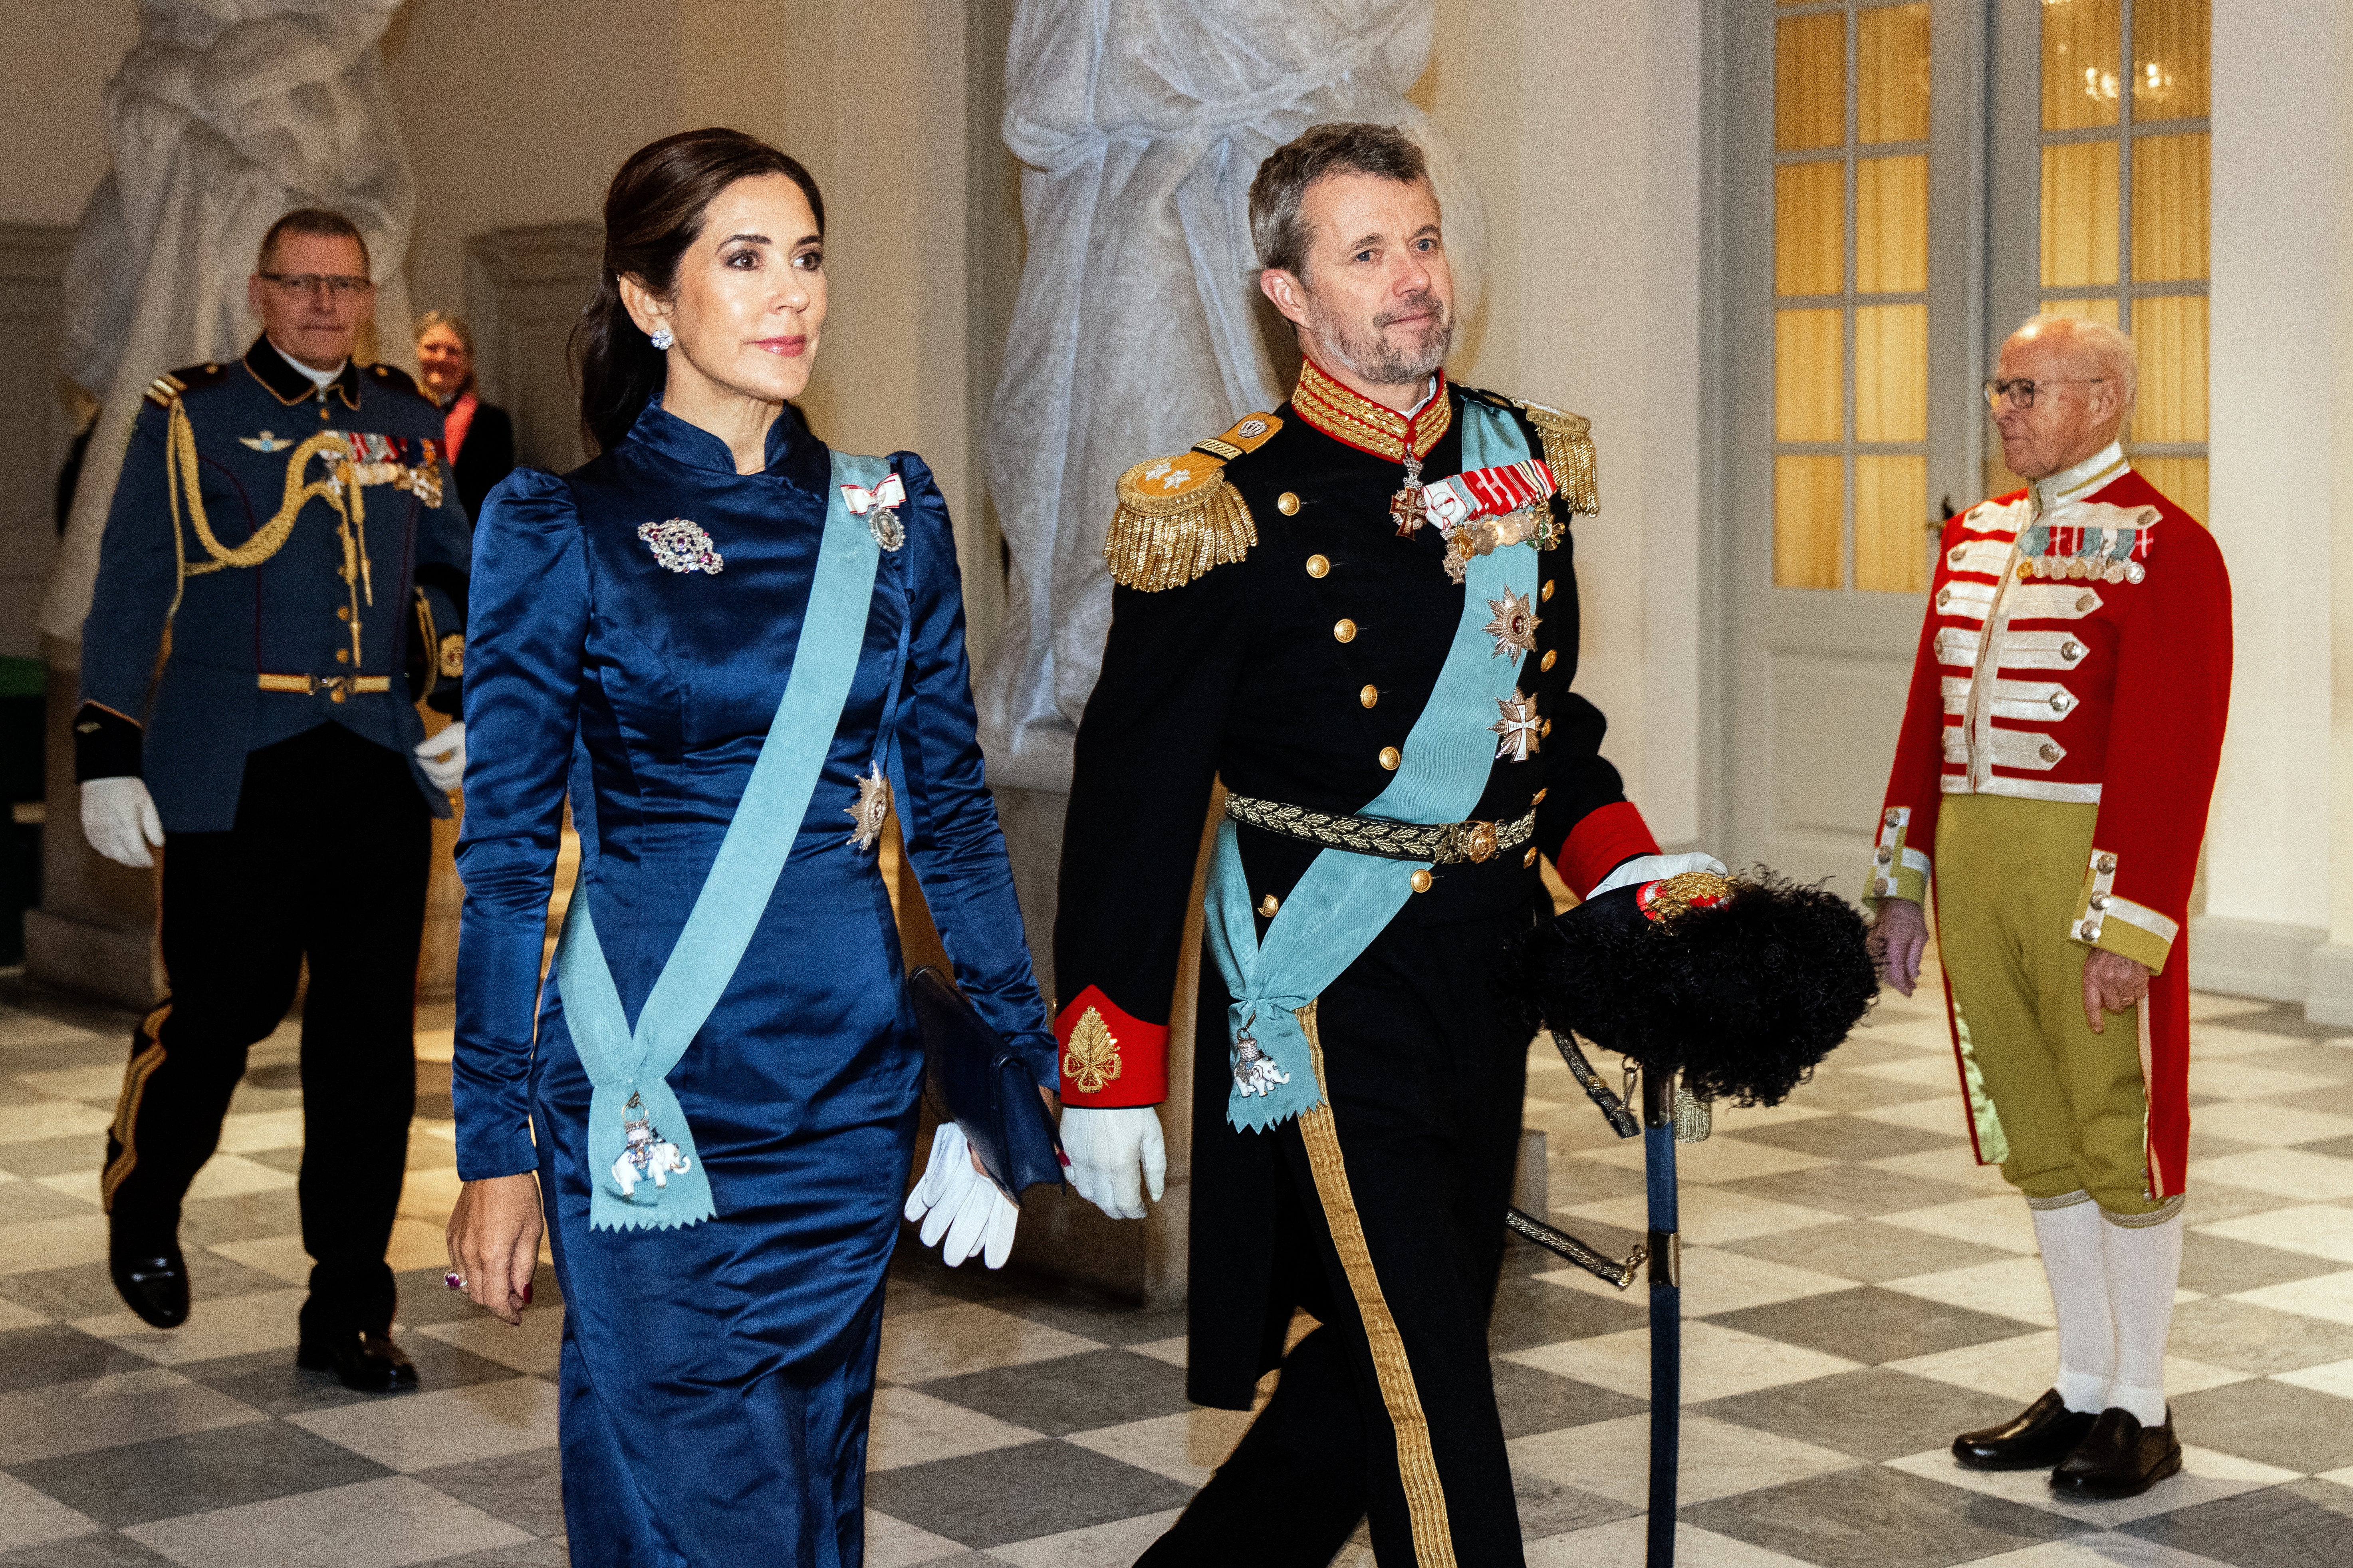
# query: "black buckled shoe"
2036, 1438
370, 1364
152, 1281
2120, 1458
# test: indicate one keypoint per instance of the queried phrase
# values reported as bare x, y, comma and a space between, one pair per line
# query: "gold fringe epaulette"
1569, 452
1177, 518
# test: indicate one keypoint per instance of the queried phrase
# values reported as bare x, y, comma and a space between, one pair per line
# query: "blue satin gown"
717, 1377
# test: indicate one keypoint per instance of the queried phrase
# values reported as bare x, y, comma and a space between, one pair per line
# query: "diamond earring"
663, 338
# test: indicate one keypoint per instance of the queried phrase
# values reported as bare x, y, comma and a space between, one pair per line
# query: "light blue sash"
1347, 899
633, 1111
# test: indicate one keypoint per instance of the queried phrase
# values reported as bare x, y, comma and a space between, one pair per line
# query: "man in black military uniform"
283, 569
1288, 596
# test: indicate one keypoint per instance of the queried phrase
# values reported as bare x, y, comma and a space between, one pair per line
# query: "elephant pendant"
644, 1152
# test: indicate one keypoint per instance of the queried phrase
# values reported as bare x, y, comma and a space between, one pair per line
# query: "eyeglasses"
2021, 392
296, 285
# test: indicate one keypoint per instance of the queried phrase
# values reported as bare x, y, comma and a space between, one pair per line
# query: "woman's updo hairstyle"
653, 210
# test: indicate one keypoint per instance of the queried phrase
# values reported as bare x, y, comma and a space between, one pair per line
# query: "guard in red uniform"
2051, 785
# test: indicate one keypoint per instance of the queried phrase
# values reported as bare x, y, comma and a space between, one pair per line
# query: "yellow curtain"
1809, 228
2169, 330
1891, 525
1808, 509
1891, 225
1808, 376
2103, 310
2182, 479
1891, 54
2170, 203
2082, 50
1809, 82
2079, 215
2170, 53
1890, 377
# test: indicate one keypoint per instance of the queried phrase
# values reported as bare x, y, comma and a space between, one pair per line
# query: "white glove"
955, 1200
442, 755
1655, 868
118, 818
1115, 1153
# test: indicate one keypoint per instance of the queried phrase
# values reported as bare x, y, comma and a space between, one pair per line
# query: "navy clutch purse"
975, 1079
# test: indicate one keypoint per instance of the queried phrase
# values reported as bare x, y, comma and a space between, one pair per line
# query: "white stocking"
2143, 1264
2073, 1262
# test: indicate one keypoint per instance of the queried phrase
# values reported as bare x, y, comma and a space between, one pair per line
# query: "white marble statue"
225, 114
1137, 331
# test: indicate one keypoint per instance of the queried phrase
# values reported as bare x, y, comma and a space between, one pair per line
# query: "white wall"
53, 74
2276, 192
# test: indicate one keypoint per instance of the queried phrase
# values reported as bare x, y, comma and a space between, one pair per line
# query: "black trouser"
1398, 1184
328, 861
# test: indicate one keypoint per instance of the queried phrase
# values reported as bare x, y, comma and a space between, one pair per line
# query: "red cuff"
1601, 841
1108, 1057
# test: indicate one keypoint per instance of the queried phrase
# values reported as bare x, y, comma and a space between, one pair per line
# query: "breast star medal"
1519, 730
873, 809
1513, 627
1408, 505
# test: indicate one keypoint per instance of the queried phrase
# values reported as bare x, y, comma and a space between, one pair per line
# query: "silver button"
1885, 855
2099, 901
1882, 887
1894, 817
2048, 752
2105, 865
2060, 702
2071, 649
1943, 598
1953, 556
2086, 601
2089, 930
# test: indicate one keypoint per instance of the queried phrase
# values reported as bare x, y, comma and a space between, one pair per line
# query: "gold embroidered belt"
339, 688
1441, 843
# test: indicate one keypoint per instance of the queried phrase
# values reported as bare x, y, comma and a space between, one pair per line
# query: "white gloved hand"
955, 1200
118, 818
1115, 1155
1655, 868
442, 755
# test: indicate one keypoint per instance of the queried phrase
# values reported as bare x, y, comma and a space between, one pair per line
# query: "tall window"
1850, 296
2125, 204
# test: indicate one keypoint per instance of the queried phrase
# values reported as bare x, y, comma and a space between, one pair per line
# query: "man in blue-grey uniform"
283, 573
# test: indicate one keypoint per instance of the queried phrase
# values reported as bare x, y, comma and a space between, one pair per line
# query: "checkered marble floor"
1858, 1291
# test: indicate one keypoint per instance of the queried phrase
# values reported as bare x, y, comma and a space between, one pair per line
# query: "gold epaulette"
1569, 452
1178, 516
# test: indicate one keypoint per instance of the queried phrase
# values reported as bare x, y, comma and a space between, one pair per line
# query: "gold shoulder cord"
1177, 518
1569, 452
340, 489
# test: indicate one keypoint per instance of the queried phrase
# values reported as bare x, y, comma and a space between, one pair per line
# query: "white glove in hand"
1655, 868
955, 1201
1115, 1154
118, 818
442, 755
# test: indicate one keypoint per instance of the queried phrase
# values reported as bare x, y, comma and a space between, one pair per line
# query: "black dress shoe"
370, 1364
2037, 1437
153, 1282
2121, 1459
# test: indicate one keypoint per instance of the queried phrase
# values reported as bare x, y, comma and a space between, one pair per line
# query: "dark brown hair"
315, 220
1346, 146
653, 210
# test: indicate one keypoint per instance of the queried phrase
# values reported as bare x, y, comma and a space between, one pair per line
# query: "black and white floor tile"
1857, 1289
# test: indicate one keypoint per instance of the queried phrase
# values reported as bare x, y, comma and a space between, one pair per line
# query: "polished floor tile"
1185, 1447
388, 1523
1873, 1515
2205, 1476
1612, 1458
912, 1427
429, 1428
1877, 1414
920, 1346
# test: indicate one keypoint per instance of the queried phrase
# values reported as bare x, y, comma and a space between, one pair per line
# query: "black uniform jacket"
1247, 674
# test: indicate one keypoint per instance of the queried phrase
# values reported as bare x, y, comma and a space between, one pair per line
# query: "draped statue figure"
1137, 330
225, 114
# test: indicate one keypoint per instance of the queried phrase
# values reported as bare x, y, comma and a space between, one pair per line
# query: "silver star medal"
1520, 729
1513, 627
873, 809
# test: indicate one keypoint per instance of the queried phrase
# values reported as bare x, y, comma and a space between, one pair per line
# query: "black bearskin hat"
1742, 984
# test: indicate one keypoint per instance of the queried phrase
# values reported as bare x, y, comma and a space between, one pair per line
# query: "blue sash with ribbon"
1345, 899
645, 1170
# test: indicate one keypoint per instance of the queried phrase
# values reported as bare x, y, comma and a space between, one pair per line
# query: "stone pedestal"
94, 933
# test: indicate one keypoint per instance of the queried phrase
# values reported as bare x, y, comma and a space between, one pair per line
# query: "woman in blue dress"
727, 645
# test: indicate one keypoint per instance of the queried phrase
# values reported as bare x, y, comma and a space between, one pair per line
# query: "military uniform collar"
1355, 420
2100, 469
289, 386
788, 451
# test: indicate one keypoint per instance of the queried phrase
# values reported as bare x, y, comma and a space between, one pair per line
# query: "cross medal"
1407, 505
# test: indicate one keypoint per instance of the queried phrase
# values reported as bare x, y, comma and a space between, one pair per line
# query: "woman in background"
478, 436
728, 645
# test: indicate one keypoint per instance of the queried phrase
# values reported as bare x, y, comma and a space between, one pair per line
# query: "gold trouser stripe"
1425, 1496
126, 1106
